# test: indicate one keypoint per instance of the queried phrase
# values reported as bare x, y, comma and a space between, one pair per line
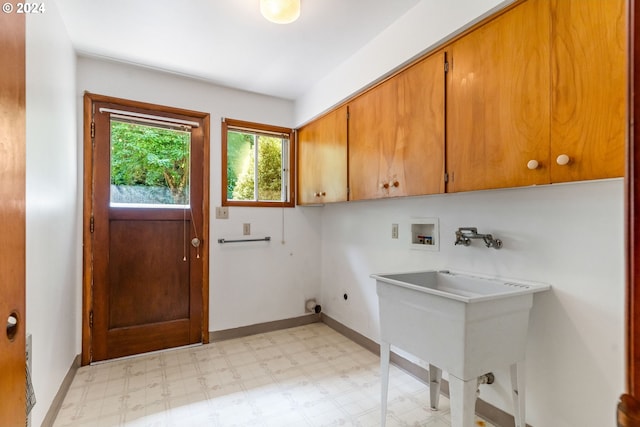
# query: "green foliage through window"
149, 164
243, 148
239, 151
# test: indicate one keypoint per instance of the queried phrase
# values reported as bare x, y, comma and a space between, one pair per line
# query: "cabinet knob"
384, 185
533, 164
563, 159
324, 193
396, 183
316, 194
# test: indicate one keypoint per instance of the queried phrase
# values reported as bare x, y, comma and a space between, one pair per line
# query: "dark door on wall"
147, 227
12, 219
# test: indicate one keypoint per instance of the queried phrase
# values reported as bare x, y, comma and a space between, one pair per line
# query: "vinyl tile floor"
305, 376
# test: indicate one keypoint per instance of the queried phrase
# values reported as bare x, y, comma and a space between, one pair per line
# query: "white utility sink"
460, 323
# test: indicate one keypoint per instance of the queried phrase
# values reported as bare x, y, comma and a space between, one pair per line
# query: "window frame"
289, 181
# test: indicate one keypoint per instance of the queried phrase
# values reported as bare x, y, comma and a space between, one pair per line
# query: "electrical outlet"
394, 231
246, 228
222, 212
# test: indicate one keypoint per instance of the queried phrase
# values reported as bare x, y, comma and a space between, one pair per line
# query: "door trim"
87, 251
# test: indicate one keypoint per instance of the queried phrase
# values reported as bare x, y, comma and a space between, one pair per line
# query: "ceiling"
227, 42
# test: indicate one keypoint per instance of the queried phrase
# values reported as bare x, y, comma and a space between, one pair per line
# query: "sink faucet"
465, 234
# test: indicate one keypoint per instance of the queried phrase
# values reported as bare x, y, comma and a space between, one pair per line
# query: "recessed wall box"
425, 234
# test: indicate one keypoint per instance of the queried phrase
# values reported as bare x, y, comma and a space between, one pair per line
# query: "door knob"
12, 326
195, 242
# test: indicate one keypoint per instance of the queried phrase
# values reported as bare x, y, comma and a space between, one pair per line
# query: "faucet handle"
473, 230
490, 242
461, 239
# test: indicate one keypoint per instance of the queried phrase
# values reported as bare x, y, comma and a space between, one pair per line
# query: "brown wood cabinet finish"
498, 102
537, 81
569, 55
322, 159
396, 134
589, 80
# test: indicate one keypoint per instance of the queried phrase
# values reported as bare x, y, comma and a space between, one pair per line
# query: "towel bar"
264, 239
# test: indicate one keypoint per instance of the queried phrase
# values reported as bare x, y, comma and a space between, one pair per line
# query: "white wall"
569, 236
53, 242
252, 282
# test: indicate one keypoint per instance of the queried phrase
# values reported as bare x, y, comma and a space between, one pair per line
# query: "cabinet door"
498, 102
396, 134
322, 159
588, 51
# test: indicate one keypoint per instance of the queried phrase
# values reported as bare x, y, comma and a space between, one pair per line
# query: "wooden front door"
148, 228
12, 219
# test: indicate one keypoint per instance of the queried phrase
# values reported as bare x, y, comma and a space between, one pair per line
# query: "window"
257, 164
149, 164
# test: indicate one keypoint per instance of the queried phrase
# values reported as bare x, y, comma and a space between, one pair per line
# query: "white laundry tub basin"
464, 324
460, 323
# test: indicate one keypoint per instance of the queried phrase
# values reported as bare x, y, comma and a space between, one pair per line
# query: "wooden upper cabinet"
322, 159
498, 102
589, 79
396, 134
539, 82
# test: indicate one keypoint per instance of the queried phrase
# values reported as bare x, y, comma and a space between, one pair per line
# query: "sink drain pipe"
488, 378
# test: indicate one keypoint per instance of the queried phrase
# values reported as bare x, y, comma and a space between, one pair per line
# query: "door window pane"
149, 165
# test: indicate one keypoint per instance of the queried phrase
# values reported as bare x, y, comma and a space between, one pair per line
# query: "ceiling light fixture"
280, 11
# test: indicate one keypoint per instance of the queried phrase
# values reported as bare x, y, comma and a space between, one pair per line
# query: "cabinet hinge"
91, 225
446, 66
93, 129
91, 319
446, 177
